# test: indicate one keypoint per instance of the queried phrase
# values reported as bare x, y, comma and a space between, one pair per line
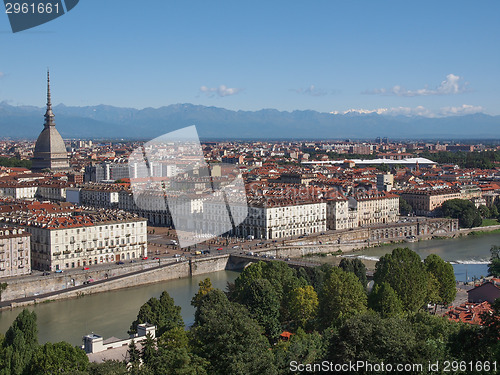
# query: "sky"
432, 58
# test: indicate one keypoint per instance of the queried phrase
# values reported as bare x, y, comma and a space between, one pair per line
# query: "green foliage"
371, 338
58, 358
263, 304
342, 296
134, 355
303, 304
355, 266
494, 265
21, 341
465, 211
494, 211
384, 300
148, 352
302, 347
109, 367
484, 211
445, 277
282, 278
406, 274
205, 286
318, 275
174, 355
229, 339
483, 160
161, 312
404, 207
14, 162
489, 340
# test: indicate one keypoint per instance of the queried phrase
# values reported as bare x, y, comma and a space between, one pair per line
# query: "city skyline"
390, 58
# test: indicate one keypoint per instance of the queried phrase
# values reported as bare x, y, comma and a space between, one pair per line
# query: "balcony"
66, 252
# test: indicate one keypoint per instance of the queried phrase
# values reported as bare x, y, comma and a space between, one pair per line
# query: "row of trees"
483, 160
328, 310
14, 162
465, 211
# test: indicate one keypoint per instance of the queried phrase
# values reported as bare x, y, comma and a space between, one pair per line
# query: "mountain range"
108, 122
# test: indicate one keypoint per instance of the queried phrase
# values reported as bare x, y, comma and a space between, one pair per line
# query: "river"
469, 255
110, 313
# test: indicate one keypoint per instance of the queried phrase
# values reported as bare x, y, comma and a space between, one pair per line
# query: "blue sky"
427, 57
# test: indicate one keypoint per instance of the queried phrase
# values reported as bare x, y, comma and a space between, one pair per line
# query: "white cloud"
464, 109
1, 74
450, 86
311, 90
221, 91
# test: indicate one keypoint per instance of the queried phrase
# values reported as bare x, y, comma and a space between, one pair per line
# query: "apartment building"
271, 218
375, 207
64, 238
426, 202
15, 257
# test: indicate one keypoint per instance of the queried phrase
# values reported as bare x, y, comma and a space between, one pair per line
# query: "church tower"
50, 151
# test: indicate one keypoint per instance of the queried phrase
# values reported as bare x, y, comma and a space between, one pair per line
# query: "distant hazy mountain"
113, 122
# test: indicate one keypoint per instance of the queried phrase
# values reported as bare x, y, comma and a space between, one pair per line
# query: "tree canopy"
465, 211
444, 275
494, 265
404, 271
385, 300
229, 339
342, 296
161, 312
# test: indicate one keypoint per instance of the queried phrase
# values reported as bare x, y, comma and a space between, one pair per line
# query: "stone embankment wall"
59, 282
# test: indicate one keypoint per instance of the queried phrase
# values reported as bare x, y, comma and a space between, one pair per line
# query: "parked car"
144, 258
59, 271
236, 247
120, 262
133, 261
85, 268
219, 248
156, 258
46, 273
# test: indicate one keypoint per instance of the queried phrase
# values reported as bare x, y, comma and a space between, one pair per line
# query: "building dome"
50, 151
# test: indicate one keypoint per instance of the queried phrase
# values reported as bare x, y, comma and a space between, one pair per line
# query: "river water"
469, 255
110, 313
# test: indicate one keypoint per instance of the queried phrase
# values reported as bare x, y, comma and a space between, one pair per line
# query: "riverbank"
149, 275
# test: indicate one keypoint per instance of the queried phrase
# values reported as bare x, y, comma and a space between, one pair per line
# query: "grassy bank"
489, 222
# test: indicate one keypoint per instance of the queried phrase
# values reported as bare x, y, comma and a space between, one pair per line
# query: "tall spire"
49, 115
49, 104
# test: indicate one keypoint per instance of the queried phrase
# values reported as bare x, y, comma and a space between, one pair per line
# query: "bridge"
241, 261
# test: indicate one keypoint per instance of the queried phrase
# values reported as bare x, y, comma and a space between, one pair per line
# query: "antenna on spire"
49, 115
49, 104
